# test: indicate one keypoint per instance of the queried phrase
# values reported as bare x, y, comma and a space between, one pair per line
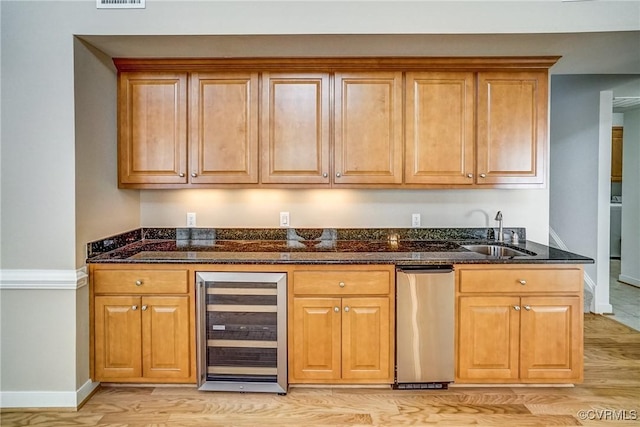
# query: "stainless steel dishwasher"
424, 326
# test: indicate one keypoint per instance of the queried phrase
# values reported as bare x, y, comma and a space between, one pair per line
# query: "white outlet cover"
415, 220
284, 219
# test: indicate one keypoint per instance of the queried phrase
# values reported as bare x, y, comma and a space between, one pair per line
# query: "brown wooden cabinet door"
440, 128
118, 341
366, 339
616, 153
295, 128
316, 339
152, 120
223, 133
165, 337
488, 338
368, 128
551, 338
512, 125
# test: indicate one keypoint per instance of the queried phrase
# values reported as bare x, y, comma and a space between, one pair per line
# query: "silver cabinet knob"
341, 284
469, 175
324, 175
336, 309
338, 174
483, 175
527, 307
144, 308
134, 307
181, 174
516, 307
193, 174
139, 282
522, 282
346, 309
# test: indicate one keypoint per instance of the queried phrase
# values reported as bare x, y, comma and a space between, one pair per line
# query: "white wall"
349, 208
630, 260
575, 185
53, 201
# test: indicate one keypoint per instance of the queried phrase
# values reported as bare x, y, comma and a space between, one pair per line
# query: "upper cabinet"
616, 153
295, 128
152, 116
440, 128
512, 127
223, 128
333, 122
368, 128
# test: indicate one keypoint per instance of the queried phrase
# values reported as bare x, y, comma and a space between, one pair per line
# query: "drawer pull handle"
483, 175
527, 307
341, 284
516, 307
522, 282
134, 307
144, 308
336, 309
346, 309
139, 282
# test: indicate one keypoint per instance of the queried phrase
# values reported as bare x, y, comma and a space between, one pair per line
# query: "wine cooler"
242, 331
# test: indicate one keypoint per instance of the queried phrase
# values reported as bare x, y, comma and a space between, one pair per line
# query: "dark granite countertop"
317, 246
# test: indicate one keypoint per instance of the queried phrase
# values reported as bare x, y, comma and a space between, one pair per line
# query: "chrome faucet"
500, 236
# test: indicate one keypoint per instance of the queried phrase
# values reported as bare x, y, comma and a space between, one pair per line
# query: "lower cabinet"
140, 336
529, 331
341, 325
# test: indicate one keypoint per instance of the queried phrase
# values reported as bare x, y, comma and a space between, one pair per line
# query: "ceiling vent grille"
120, 4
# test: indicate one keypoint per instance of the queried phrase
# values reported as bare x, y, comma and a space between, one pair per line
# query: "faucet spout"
500, 236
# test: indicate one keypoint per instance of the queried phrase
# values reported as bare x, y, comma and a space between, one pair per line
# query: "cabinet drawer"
140, 281
521, 280
330, 282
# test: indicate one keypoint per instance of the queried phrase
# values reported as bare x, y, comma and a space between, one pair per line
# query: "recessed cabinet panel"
295, 128
166, 337
153, 128
440, 128
368, 128
117, 326
224, 128
512, 124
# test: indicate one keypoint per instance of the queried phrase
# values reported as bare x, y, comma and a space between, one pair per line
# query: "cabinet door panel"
152, 118
295, 128
117, 338
512, 124
365, 339
440, 128
551, 337
488, 338
316, 339
165, 326
368, 128
224, 128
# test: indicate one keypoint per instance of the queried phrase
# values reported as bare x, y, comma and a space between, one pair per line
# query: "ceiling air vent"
120, 4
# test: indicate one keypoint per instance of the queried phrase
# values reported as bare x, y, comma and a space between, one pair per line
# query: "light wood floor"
610, 395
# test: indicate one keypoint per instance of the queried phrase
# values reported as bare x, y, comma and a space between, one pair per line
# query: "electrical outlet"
191, 219
284, 219
415, 220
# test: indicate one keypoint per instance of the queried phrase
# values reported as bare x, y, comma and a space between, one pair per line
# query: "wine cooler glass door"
242, 331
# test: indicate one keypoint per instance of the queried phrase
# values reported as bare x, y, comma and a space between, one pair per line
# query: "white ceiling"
582, 53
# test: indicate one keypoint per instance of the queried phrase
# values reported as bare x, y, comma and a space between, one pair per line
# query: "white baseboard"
603, 309
629, 280
47, 399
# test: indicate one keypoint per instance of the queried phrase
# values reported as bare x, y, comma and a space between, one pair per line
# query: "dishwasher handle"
424, 269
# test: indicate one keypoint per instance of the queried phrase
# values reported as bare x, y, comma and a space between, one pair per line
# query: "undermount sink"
496, 251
